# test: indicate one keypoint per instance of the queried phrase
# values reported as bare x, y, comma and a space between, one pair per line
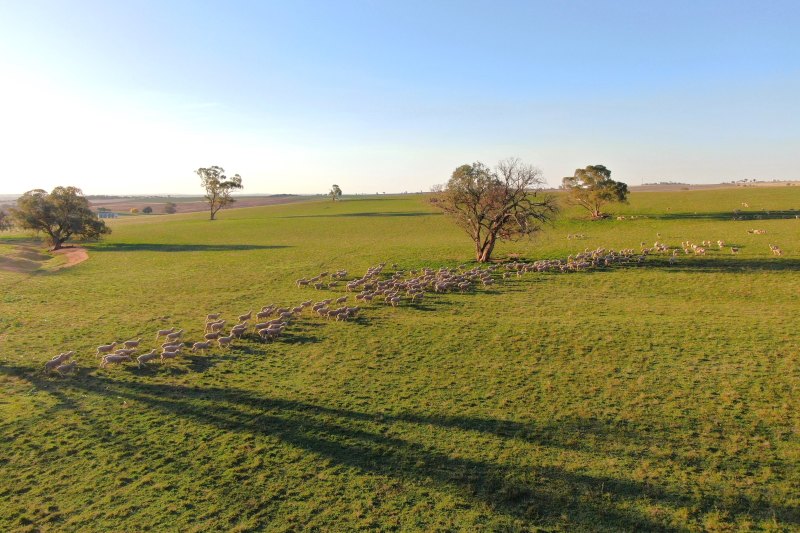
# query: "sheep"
264, 314
114, 359
169, 355
145, 357
170, 346
214, 326
225, 341
132, 343
211, 336
67, 367
164, 332
201, 346
238, 331
123, 351
246, 316
57, 361
341, 299
175, 336
270, 333
213, 316
106, 348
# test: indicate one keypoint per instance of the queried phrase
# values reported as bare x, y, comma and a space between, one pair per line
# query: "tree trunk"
484, 253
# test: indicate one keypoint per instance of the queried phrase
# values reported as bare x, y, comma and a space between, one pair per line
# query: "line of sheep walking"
390, 288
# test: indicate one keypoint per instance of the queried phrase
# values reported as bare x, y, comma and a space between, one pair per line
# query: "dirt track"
30, 257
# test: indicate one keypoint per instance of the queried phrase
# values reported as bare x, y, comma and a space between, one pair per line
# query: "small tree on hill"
147, 210
134, 210
500, 204
60, 214
335, 192
170, 208
592, 188
218, 187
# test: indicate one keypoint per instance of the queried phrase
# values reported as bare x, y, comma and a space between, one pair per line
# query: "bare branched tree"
505, 203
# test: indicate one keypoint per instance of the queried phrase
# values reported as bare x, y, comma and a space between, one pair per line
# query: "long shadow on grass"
727, 215
723, 264
157, 247
373, 443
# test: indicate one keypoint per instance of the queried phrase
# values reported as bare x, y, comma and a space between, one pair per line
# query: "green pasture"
660, 397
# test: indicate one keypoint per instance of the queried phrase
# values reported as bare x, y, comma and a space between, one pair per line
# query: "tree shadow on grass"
374, 443
724, 264
727, 215
158, 247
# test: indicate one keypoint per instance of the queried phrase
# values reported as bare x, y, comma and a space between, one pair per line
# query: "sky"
376, 96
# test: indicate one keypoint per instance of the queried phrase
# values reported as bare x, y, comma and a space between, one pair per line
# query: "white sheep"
225, 341
57, 360
164, 332
132, 343
175, 336
169, 355
246, 316
106, 348
213, 316
67, 367
172, 347
114, 359
201, 346
145, 357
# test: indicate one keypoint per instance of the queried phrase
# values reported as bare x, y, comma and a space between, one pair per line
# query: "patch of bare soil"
73, 254
187, 205
28, 258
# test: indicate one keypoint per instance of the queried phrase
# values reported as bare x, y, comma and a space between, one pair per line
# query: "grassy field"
660, 397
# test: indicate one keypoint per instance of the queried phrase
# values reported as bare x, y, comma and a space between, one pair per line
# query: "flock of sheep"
391, 288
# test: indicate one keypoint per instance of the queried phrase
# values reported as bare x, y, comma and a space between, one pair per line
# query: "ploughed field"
660, 396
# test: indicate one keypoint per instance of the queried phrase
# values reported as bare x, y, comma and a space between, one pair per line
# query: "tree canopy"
592, 188
335, 192
60, 214
5, 221
218, 187
170, 208
504, 203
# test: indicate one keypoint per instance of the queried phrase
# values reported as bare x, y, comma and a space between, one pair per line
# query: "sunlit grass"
659, 397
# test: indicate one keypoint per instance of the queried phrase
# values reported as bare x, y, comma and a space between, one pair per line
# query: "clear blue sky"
131, 97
